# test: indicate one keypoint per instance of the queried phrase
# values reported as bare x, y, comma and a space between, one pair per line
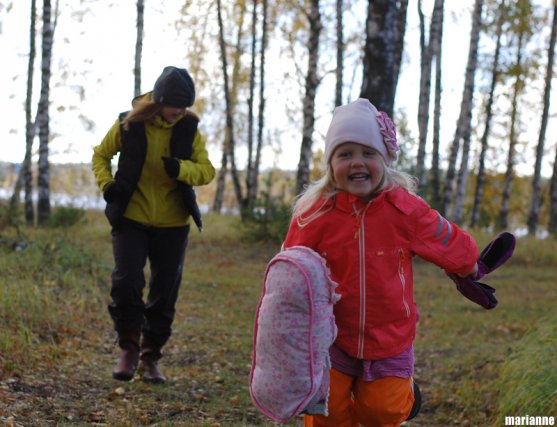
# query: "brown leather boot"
151, 372
129, 356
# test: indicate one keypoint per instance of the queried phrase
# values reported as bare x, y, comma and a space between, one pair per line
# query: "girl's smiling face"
357, 169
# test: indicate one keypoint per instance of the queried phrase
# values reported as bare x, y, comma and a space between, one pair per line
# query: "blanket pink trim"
294, 329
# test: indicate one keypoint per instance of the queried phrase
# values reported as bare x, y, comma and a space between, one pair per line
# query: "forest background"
472, 111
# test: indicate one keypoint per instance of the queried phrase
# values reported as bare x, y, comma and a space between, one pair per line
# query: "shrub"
269, 220
66, 216
10, 215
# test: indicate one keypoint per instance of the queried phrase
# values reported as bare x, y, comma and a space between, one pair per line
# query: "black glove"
111, 192
171, 166
191, 205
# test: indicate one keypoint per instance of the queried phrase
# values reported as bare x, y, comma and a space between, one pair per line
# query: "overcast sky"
98, 49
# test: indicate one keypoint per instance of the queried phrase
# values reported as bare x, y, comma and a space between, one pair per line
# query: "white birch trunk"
465, 106
536, 182
312, 82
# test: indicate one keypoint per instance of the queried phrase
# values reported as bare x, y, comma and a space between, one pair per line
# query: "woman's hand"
171, 166
111, 192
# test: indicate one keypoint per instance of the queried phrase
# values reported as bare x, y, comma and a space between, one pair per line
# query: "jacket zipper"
153, 192
360, 235
402, 280
362, 326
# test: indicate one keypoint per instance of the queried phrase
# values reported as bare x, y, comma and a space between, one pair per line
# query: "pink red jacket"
369, 249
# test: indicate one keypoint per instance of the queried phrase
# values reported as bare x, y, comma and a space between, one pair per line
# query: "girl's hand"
472, 273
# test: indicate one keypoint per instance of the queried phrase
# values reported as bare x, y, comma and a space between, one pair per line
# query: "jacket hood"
143, 97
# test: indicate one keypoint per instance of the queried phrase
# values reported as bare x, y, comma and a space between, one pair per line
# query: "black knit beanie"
174, 88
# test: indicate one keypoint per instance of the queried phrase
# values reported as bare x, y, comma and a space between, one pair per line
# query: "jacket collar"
349, 203
159, 122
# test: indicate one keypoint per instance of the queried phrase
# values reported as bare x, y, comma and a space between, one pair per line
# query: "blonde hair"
325, 188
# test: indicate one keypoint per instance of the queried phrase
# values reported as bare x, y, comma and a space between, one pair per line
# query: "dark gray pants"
165, 248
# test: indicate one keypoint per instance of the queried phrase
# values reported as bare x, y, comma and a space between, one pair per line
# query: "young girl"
364, 219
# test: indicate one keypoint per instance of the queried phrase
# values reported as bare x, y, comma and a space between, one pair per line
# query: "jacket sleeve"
103, 154
199, 170
442, 242
300, 236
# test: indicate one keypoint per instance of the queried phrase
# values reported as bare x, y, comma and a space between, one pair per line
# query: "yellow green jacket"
157, 200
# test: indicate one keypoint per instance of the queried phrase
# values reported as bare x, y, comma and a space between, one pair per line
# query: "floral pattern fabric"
294, 329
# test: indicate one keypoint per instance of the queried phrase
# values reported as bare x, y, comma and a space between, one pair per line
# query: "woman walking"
149, 203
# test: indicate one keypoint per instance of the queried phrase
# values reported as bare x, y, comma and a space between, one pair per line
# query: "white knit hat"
360, 122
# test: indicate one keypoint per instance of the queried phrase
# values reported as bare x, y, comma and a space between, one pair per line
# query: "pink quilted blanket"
294, 329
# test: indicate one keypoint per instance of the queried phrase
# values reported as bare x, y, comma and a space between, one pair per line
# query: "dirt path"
77, 390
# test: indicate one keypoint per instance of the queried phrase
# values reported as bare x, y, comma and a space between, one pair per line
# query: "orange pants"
385, 402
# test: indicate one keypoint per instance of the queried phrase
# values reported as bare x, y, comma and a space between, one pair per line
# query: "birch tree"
521, 18
427, 55
43, 207
552, 228
229, 148
462, 132
262, 102
249, 201
138, 47
311, 84
340, 53
435, 173
25, 176
401, 30
221, 178
382, 53
480, 179
30, 125
254, 147
536, 181
509, 172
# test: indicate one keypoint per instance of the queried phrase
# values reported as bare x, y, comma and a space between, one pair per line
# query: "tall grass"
534, 252
528, 380
479, 365
49, 289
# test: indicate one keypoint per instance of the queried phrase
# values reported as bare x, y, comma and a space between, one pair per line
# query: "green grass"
46, 283
57, 345
528, 380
